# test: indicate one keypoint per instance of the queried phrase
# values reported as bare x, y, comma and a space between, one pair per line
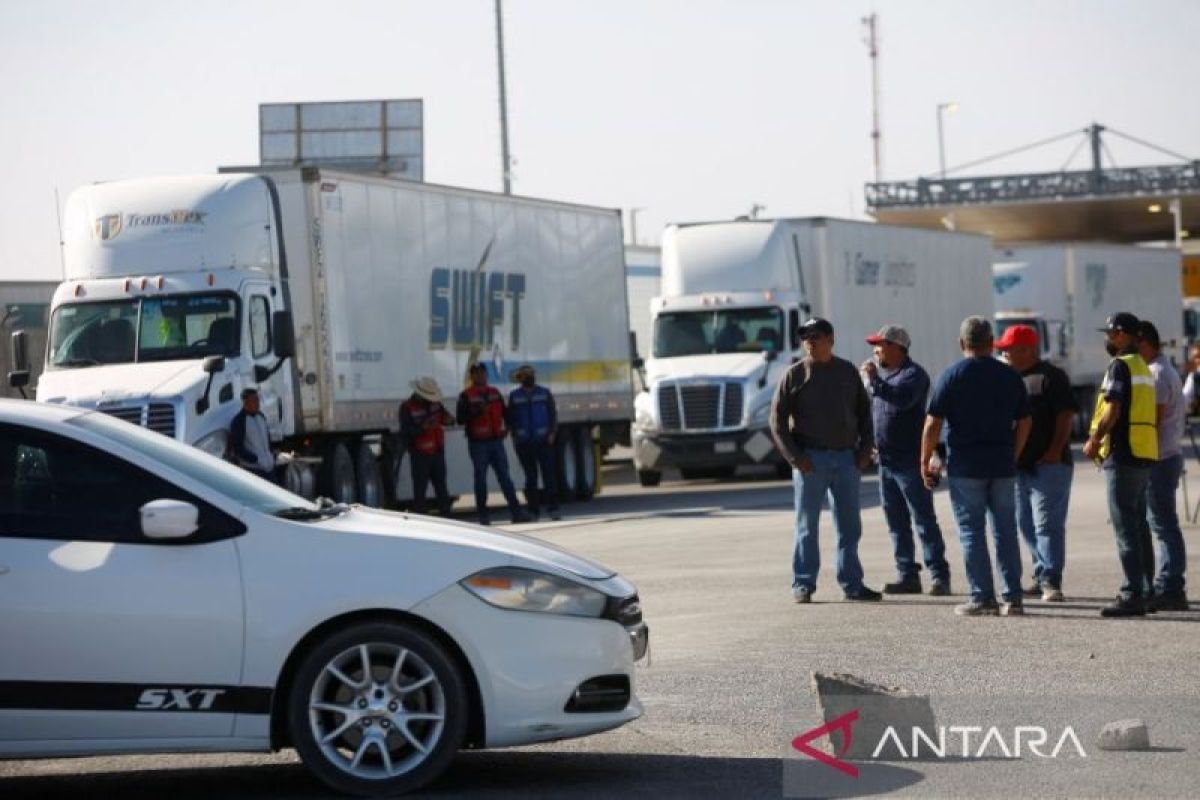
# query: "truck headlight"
526, 590
214, 443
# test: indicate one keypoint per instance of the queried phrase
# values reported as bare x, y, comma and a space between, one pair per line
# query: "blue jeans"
1127, 510
976, 501
835, 473
1164, 521
535, 457
1043, 494
905, 499
490, 453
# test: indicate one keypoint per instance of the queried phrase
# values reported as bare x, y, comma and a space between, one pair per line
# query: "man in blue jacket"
250, 439
533, 420
899, 388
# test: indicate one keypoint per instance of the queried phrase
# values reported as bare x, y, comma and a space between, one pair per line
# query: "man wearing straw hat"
423, 419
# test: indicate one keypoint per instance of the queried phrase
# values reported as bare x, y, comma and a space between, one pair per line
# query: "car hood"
116, 383
511, 546
717, 365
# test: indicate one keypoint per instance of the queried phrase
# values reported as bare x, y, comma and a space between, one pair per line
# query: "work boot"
1012, 608
1051, 594
864, 595
909, 584
940, 587
1125, 607
1169, 601
520, 516
977, 608
1033, 590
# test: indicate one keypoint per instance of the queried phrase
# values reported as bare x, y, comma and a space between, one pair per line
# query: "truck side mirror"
283, 334
213, 364
638, 362
19, 377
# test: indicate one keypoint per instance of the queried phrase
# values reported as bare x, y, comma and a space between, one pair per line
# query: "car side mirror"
283, 334
169, 519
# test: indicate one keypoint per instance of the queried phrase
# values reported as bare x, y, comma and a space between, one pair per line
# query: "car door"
108, 635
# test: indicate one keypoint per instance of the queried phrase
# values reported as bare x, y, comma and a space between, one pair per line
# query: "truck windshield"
144, 329
732, 330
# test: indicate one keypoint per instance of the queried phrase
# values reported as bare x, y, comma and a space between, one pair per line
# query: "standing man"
821, 421
481, 410
533, 419
1169, 588
250, 438
1044, 469
985, 405
1124, 440
423, 420
898, 396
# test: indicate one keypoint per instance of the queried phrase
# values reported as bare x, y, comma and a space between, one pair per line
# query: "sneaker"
801, 594
1125, 607
940, 588
1169, 601
977, 608
1052, 594
908, 585
1033, 590
520, 516
555, 514
1012, 608
864, 595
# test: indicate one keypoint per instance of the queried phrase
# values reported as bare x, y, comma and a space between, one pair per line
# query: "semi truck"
330, 293
1066, 291
733, 297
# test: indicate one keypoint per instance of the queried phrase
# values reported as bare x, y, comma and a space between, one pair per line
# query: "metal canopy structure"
1129, 204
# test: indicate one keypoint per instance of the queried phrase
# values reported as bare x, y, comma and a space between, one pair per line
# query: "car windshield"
235, 483
144, 329
733, 330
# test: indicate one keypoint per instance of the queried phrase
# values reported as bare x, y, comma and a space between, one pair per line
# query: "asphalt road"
729, 683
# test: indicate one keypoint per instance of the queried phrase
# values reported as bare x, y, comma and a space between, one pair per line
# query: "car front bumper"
530, 666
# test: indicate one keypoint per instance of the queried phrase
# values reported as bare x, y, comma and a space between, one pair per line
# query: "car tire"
337, 474
649, 477
364, 735
369, 479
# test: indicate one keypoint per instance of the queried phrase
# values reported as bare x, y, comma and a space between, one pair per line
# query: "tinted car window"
56, 488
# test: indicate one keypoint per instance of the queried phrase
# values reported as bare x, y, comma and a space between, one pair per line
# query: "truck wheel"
377, 709
568, 464
389, 465
299, 479
589, 468
370, 480
337, 475
649, 477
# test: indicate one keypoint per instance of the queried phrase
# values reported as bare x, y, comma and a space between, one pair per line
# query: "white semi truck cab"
175, 299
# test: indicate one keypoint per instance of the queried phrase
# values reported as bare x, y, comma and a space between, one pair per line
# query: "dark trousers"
490, 453
535, 457
1127, 509
428, 467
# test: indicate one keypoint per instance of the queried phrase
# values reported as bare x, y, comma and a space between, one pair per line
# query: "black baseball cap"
815, 326
1148, 333
1122, 321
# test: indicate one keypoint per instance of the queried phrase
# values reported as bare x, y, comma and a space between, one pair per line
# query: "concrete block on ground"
878, 707
1124, 734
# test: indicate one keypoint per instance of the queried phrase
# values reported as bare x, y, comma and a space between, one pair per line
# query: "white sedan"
156, 599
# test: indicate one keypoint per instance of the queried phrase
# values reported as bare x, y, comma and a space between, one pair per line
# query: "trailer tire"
389, 466
649, 477
337, 474
588, 471
369, 480
568, 464
299, 478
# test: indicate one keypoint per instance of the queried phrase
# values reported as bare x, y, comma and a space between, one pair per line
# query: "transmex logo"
108, 226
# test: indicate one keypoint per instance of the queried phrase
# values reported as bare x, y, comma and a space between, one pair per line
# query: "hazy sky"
691, 109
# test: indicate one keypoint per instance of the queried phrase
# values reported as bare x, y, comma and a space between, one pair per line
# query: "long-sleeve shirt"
823, 407
898, 411
250, 441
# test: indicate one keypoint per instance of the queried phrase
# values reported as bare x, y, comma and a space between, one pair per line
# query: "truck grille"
158, 417
696, 407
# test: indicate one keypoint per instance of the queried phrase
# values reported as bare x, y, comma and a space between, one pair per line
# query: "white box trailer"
643, 277
331, 292
706, 406
1066, 291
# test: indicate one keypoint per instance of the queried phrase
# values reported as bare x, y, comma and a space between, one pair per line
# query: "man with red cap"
1044, 469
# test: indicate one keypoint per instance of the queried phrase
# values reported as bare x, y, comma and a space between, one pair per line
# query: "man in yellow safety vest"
1124, 439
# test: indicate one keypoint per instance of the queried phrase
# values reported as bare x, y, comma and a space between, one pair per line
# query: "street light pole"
505, 158
941, 109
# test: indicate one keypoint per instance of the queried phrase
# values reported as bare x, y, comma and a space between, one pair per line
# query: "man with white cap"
899, 388
423, 419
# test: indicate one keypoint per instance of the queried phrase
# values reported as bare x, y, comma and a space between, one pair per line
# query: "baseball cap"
1122, 321
1148, 332
891, 333
1017, 335
815, 326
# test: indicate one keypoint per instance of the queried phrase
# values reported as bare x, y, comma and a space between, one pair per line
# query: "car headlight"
214, 443
527, 590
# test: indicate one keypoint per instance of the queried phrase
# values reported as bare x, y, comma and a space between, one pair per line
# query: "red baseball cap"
1017, 335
